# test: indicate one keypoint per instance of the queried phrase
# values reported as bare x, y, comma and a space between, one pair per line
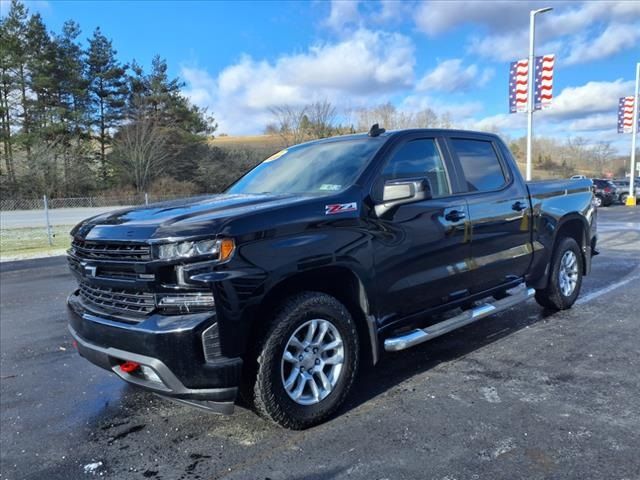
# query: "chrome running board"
406, 340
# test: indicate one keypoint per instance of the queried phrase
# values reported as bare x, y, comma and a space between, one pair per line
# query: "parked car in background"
578, 177
605, 192
622, 189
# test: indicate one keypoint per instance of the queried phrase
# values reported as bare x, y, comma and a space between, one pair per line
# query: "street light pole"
532, 79
631, 198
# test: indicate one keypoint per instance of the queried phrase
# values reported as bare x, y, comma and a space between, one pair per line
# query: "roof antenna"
376, 130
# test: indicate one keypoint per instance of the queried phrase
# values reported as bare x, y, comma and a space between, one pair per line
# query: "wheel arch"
575, 226
338, 281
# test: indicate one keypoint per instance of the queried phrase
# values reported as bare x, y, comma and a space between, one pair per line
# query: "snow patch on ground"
92, 468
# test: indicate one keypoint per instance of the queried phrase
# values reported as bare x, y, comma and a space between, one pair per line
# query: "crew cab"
320, 259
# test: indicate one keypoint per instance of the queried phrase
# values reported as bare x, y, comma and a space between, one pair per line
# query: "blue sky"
240, 58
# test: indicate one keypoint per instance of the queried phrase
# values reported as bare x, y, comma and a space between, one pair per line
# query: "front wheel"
565, 279
307, 361
623, 198
598, 201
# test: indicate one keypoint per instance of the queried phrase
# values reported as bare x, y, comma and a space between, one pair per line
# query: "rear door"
421, 249
498, 212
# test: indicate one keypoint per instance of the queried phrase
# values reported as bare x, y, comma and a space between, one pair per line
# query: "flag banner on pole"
518, 85
544, 81
625, 115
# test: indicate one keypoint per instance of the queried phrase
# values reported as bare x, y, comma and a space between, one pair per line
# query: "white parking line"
634, 275
608, 226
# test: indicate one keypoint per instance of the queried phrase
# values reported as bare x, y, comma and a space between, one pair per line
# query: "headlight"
222, 249
186, 300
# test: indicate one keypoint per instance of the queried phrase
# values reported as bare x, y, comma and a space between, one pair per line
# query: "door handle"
454, 216
518, 206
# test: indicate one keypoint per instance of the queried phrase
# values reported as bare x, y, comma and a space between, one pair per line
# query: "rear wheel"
307, 361
565, 278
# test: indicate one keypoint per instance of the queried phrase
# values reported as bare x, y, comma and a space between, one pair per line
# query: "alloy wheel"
568, 274
312, 362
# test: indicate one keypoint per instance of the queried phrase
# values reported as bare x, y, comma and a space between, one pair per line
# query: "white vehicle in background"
578, 177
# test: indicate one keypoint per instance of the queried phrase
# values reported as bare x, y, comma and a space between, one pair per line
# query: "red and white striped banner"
625, 115
519, 83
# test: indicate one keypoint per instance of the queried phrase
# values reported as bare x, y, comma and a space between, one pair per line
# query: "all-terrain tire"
553, 297
270, 399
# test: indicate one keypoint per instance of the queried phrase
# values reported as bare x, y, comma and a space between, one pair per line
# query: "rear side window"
419, 159
480, 164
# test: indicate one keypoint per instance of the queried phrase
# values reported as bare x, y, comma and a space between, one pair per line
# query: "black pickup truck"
319, 259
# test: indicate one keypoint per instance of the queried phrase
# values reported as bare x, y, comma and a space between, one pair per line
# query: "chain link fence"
37, 226
7, 205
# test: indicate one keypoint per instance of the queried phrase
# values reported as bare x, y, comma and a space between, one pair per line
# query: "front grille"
118, 300
111, 251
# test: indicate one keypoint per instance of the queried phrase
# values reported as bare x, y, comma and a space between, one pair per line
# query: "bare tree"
426, 118
603, 153
322, 116
291, 123
390, 117
140, 151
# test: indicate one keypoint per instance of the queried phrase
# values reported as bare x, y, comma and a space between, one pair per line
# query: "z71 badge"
340, 208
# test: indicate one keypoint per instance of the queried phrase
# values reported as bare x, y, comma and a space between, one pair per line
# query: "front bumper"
170, 350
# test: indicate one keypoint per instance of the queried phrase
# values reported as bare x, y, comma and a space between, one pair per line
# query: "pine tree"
157, 98
6, 102
73, 104
108, 91
13, 69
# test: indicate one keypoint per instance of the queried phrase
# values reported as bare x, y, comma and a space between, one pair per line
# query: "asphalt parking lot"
524, 394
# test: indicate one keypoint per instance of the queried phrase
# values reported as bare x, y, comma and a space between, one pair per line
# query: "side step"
406, 340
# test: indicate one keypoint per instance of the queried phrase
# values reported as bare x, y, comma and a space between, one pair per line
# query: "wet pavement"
523, 394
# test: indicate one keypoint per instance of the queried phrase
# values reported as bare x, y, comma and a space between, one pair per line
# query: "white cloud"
509, 46
600, 121
343, 13
452, 76
588, 109
459, 111
615, 38
578, 32
202, 88
499, 123
437, 17
588, 99
347, 71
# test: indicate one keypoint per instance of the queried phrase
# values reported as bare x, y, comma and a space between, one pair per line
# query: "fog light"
150, 374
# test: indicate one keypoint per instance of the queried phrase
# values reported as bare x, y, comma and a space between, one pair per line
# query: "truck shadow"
395, 368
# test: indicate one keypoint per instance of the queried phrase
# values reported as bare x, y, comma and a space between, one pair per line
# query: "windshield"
315, 168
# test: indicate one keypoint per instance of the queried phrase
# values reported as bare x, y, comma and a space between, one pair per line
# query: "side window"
419, 158
480, 164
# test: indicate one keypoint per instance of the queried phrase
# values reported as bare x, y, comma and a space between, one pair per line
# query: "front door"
421, 249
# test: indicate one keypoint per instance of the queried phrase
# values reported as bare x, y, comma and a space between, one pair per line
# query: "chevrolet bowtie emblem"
89, 270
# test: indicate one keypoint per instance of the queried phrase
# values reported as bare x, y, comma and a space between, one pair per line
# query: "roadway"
524, 394
57, 216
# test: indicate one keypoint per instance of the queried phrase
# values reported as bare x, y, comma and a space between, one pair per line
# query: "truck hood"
180, 218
